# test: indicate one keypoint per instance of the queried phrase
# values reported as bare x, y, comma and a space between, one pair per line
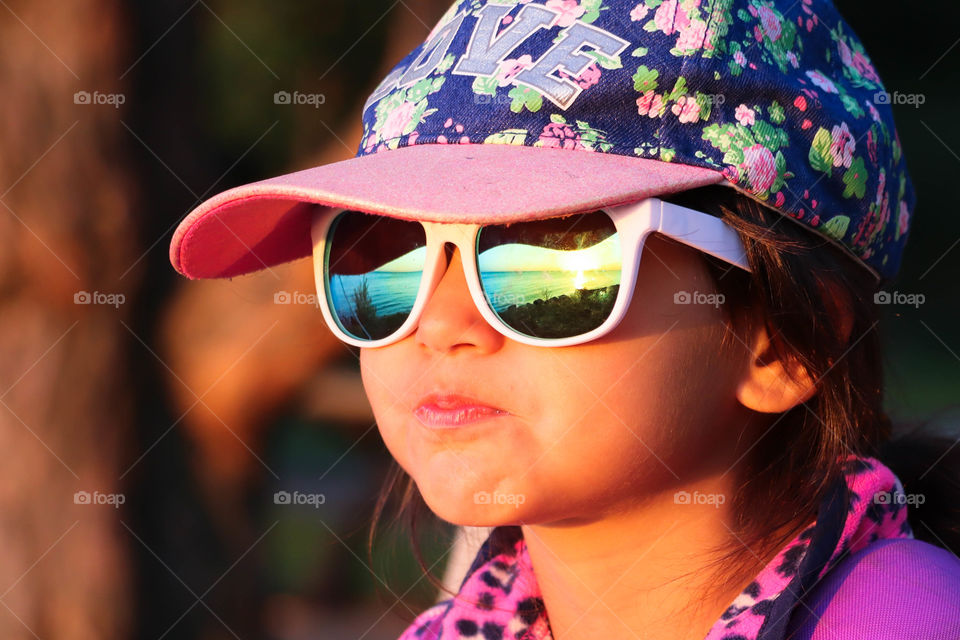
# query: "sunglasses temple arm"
703, 232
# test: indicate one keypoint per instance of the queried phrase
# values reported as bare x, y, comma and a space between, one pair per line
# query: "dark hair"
799, 285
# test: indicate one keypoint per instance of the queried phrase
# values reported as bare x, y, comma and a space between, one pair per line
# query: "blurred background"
150, 426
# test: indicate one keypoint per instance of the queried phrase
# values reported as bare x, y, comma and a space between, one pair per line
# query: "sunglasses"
552, 282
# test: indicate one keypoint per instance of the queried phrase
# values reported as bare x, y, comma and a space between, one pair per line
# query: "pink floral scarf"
499, 599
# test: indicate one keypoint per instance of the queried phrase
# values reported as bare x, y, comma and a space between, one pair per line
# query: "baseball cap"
513, 110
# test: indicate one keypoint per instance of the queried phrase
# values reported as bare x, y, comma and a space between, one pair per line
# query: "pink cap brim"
262, 224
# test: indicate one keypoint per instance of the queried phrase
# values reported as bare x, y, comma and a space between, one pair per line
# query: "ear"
769, 384
772, 385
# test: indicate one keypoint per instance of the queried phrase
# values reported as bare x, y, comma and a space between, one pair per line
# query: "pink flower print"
843, 145
779, 199
800, 103
871, 145
873, 111
879, 214
792, 59
587, 78
650, 104
883, 206
644, 102
745, 115
739, 58
709, 38
822, 81
569, 10
686, 109
903, 221
560, 136
882, 188
639, 12
770, 22
670, 17
761, 167
861, 64
845, 55
398, 119
691, 37
658, 106
511, 67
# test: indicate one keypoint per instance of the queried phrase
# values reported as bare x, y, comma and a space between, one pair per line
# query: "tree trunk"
65, 238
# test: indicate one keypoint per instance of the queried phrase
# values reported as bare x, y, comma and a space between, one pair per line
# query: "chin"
478, 509
495, 517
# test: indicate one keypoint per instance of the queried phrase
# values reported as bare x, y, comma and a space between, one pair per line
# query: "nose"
450, 319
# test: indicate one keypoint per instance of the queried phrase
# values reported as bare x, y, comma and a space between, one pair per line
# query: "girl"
613, 268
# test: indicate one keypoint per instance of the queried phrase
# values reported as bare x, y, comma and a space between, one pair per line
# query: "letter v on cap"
437, 48
485, 52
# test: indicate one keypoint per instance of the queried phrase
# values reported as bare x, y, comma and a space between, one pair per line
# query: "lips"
448, 410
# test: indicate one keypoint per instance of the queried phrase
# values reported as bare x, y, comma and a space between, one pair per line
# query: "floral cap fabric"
778, 96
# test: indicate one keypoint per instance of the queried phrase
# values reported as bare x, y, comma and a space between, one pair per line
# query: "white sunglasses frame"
634, 222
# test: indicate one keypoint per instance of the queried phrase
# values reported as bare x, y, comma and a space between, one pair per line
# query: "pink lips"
450, 410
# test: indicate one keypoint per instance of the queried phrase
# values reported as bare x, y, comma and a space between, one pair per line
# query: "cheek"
648, 406
383, 377
622, 431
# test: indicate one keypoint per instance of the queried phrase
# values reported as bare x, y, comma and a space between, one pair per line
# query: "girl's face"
590, 428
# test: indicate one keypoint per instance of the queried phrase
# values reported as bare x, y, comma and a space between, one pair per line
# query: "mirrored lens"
553, 278
373, 266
